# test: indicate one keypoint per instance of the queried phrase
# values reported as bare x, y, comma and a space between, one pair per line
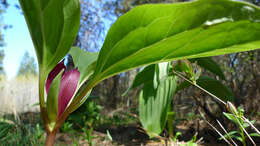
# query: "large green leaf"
53, 25
213, 86
154, 100
216, 87
161, 32
210, 65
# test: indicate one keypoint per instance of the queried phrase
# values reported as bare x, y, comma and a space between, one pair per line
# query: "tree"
3, 6
1, 62
27, 66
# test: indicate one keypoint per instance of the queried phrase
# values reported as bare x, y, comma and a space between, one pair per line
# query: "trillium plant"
147, 34
63, 84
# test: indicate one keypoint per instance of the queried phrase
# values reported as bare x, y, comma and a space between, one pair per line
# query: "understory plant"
145, 36
238, 119
18, 132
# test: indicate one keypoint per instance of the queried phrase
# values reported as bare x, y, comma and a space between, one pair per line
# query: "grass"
17, 98
19, 94
27, 131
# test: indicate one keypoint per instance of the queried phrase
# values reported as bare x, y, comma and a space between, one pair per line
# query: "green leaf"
155, 33
210, 65
52, 100
190, 143
109, 136
85, 61
213, 86
154, 101
230, 134
144, 76
254, 134
148, 74
216, 87
184, 66
231, 117
245, 125
238, 138
182, 86
53, 25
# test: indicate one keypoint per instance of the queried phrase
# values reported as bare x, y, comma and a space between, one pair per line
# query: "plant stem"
41, 99
50, 139
243, 137
170, 120
212, 95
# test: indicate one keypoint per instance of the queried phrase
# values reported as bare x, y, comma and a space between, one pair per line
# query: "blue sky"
17, 39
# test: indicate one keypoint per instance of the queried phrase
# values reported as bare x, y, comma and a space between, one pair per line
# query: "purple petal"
54, 72
68, 85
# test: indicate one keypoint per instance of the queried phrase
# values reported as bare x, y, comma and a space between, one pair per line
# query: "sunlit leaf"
231, 117
161, 32
254, 134
53, 25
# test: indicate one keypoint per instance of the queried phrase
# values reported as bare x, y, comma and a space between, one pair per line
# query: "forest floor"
133, 135
129, 134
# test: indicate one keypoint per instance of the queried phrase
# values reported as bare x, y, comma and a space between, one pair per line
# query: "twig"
199, 141
180, 75
218, 132
257, 131
215, 129
231, 109
226, 133
245, 131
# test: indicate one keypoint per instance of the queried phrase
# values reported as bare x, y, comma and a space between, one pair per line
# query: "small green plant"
88, 115
192, 142
170, 119
176, 136
75, 140
192, 116
88, 135
237, 118
109, 136
119, 119
189, 144
16, 133
85, 118
66, 127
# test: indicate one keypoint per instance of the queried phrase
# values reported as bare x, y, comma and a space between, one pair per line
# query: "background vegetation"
108, 116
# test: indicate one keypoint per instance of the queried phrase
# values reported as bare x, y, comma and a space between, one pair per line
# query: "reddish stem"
50, 139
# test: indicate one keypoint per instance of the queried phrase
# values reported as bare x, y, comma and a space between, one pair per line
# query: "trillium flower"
66, 81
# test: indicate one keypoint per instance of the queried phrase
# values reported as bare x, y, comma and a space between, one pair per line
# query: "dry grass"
19, 94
